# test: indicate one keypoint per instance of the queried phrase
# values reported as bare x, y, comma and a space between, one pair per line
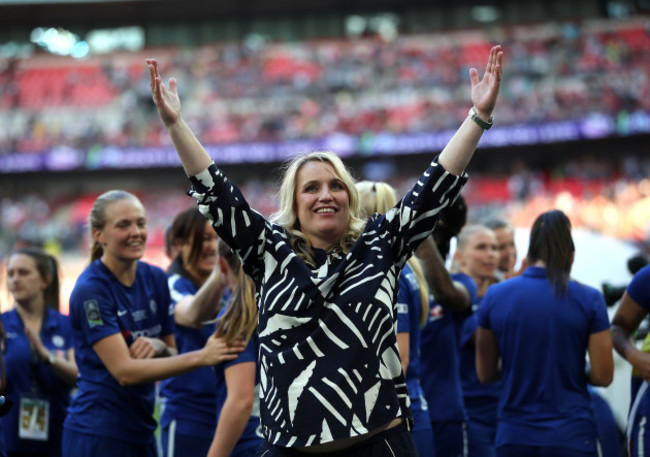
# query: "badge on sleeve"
92, 313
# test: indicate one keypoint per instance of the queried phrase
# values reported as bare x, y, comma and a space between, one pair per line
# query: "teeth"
325, 210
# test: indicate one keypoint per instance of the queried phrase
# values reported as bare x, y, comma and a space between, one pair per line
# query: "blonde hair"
97, 219
379, 197
286, 216
240, 318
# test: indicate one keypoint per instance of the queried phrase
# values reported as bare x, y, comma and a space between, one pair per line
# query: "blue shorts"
516, 450
450, 438
85, 445
175, 444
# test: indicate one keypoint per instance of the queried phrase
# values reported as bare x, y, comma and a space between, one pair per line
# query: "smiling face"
322, 204
207, 256
124, 236
478, 257
24, 281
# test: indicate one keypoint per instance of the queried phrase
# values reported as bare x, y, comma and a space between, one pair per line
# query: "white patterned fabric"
329, 362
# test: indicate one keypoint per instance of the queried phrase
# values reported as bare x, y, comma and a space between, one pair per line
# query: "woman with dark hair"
40, 366
326, 280
238, 432
540, 325
196, 286
123, 337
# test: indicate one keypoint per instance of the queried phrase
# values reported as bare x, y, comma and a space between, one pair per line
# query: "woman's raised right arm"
192, 154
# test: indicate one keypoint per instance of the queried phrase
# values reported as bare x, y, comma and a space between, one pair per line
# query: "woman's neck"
124, 271
31, 312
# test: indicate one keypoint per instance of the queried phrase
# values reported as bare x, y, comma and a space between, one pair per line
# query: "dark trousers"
394, 442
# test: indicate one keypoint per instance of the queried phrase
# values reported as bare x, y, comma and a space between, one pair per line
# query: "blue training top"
408, 320
102, 306
542, 341
329, 363
440, 348
190, 398
29, 376
481, 400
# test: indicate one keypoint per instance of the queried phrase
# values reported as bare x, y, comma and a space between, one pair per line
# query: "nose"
325, 194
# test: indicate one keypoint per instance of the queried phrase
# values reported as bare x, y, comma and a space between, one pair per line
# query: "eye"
311, 188
338, 185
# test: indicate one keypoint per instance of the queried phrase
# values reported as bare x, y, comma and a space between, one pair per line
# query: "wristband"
485, 125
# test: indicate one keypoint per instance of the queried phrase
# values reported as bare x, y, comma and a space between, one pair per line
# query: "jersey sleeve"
600, 319
483, 311
93, 310
639, 288
405, 298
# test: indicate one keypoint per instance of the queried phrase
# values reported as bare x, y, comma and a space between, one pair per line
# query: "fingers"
141, 349
173, 86
473, 76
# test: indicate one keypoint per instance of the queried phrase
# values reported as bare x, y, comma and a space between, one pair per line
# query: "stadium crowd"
259, 90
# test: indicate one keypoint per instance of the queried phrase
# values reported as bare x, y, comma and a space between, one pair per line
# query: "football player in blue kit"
123, 335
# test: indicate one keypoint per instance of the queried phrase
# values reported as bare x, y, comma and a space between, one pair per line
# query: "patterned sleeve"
415, 215
223, 204
639, 288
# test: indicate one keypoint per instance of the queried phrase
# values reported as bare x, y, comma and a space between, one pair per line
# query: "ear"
458, 257
47, 280
223, 265
98, 236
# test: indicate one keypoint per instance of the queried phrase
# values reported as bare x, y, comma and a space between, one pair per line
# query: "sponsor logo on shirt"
139, 315
436, 313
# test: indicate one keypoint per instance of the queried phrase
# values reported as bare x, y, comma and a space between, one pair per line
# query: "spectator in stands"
632, 310
196, 286
238, 430
505, 234
452, 295
123, 337
41, 370
533, 332
412, 313
476, 256
330, 370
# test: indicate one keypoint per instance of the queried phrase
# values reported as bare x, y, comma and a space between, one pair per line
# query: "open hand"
36, 344
217, 350
485, 91
166, 100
